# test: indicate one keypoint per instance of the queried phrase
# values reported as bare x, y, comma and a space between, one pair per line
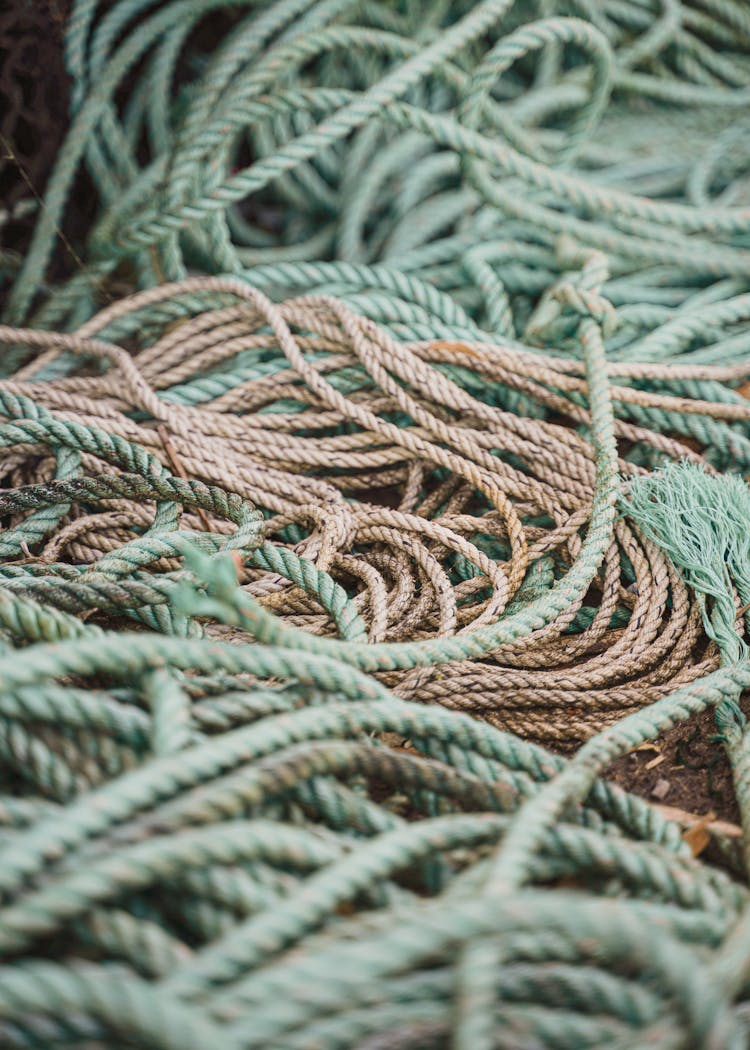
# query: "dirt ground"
687, 768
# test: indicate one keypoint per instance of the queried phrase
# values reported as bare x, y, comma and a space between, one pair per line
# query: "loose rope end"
700, 521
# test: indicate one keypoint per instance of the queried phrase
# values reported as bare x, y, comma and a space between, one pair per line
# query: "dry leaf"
688, 820
698, 837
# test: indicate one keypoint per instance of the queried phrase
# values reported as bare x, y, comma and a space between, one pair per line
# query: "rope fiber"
372, 479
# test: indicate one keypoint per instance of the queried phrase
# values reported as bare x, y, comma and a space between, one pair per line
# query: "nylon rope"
374, 484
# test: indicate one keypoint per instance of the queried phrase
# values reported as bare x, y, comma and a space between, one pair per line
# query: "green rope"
427, 404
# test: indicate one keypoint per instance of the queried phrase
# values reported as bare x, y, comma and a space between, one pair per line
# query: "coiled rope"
478, 553
392, 433
437, 140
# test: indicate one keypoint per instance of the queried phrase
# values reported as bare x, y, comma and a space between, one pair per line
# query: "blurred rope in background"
385, 428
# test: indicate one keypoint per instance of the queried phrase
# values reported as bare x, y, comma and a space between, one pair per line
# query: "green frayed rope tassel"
702, 522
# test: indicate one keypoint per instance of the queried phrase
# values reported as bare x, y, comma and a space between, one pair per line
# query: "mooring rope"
476, 557
387, 447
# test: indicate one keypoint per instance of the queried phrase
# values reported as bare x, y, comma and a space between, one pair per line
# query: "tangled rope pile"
481, 509
438, 138
389, 431
267, 875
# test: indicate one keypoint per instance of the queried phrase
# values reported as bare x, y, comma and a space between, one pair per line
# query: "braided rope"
322, 545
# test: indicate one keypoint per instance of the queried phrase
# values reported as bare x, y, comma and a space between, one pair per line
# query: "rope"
373, 486
404, 139
476, 561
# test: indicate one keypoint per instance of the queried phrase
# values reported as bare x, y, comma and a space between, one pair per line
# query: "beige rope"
392, 507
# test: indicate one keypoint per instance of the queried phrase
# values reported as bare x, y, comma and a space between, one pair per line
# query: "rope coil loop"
371, 490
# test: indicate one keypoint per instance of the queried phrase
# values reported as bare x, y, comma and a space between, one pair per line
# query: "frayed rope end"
702, 523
